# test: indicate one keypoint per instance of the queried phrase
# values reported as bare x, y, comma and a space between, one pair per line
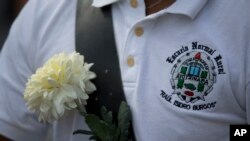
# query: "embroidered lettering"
218, 60
204, 106
167, 97
207, 49
176, 54
182, 105
193, 74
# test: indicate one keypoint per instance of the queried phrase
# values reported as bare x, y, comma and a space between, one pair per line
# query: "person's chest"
173, 67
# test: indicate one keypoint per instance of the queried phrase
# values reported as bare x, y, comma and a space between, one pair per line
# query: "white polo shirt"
185, 69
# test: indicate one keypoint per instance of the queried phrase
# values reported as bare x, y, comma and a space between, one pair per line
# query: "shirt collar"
186, 7
101, 3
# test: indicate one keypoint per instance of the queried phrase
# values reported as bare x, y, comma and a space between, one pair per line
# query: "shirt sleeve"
16, 66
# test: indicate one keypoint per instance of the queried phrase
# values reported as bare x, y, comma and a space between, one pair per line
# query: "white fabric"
167, 32
161, 111
100, 3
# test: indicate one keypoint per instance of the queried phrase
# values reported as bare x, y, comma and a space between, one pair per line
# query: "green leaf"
101, 129
82, 111
124, 117
108, 118
117, 134
93, 138
106, 115
80, 131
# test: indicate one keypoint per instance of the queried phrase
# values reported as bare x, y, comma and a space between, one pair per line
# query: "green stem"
81, 109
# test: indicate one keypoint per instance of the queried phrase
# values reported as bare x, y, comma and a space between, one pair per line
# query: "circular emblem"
193, 76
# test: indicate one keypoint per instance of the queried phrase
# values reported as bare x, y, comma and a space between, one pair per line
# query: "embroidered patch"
194, 72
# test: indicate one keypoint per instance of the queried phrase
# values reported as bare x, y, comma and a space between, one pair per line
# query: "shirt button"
134, 3
130, 61
139, 31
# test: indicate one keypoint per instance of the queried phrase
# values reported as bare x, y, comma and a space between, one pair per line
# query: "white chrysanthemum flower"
60, 84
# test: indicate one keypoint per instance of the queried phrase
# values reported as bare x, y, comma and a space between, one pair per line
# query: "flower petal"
63, 80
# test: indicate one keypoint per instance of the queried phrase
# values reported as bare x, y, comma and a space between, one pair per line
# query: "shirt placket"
133, 11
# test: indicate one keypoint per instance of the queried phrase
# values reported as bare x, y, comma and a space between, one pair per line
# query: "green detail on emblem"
190, 86
180, 83
193, 76
204, 74
201, 87
183, 70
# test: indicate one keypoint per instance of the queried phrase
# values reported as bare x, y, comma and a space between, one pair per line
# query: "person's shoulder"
37, 11
233, 12
236, 6
50, 7
41, 24
48, 16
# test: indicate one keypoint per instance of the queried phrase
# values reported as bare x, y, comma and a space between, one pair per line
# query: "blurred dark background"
9, 9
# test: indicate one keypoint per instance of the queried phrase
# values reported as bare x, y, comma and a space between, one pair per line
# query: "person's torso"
183, 77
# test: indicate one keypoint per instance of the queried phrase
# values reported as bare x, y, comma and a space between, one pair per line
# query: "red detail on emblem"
189, 93
197, 56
